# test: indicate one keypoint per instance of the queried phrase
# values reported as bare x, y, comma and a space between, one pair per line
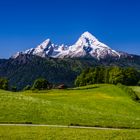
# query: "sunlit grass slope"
137, 90
96, 105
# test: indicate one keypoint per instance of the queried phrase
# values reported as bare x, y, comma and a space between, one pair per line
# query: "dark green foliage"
116, 75
139, 83
131, 76
41, 84
111, 75
4, 83
91, 76
28, 87
129, 91
14, 88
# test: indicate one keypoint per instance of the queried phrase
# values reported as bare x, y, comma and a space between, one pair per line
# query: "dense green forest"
111, 75
95, 75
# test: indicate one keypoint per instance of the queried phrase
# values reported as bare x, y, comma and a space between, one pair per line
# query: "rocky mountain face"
86, 46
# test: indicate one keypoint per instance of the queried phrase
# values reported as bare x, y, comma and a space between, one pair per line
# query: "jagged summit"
88, 35
44, 44
86, 45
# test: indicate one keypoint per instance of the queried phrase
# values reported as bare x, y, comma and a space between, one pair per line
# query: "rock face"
87, 45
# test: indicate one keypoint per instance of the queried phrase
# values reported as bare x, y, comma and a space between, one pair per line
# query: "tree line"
96, 75
111, 75
39, 84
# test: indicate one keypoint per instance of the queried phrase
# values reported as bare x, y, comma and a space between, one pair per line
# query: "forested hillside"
111, 75
25, 69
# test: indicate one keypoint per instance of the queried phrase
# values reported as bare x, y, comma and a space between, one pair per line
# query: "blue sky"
26, 23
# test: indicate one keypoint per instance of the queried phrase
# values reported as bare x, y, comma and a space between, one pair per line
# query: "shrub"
28, 87
14, 88
41, 84
139, 83
4, 83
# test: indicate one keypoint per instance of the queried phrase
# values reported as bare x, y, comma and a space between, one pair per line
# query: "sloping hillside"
98, 105
137, 90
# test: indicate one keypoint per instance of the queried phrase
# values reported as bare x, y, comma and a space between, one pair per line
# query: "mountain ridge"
86, 45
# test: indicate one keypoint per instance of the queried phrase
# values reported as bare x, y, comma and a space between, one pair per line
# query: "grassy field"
98, 105
45, 133
136, 89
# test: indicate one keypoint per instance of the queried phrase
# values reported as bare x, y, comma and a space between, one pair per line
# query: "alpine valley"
61, 64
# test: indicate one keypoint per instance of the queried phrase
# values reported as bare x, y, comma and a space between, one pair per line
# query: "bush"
139, 83
14, 88
4, 83
41, 84
28, 87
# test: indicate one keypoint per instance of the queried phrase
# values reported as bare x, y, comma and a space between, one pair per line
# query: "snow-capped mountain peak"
43, 45
87, 45
44, 49
88, 36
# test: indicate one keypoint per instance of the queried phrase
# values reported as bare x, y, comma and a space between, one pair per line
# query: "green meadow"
96, 105
45, 133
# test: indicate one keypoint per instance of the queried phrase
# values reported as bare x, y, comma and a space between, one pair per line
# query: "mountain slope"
24, 69
87, 45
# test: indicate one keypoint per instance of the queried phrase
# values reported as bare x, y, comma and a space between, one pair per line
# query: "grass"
137, 90
96, 105
45, 133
